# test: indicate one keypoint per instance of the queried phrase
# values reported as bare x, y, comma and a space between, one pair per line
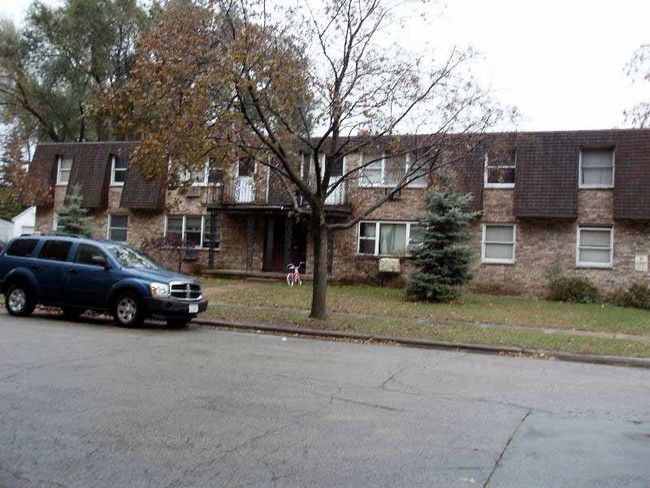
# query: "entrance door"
276, 242
245, 183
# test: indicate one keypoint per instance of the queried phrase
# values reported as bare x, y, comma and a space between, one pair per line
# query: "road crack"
512, 436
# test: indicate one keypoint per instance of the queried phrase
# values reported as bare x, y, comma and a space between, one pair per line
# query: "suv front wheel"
20, 300
128, 310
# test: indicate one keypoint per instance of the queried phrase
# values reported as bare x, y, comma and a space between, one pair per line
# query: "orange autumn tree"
226, 79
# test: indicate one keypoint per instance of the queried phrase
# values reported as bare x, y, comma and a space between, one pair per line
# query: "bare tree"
303, 91
639, 70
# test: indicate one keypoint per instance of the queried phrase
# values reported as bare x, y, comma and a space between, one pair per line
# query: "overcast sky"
560, 62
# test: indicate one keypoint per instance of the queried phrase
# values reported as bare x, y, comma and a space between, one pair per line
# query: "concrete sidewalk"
478, 348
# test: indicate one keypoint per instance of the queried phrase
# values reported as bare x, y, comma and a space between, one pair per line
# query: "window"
595, 247
498, 243
86, 253
214, 174
22, 247
117, 227
372, 172
64, 166
367, 237
387, 171
55, 250
118, 170
206, 232
500, 170
420, 177
193, 230
386, 238
597, 168
415, 238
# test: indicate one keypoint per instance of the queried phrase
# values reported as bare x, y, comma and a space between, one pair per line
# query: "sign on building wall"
641, 263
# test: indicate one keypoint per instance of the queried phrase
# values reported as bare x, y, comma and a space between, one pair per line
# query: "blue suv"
84, 274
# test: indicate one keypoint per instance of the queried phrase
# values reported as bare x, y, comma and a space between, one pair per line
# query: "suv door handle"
34, 266
73, 271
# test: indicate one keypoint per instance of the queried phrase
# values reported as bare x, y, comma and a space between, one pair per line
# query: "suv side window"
55, 250
22, 247
85, 254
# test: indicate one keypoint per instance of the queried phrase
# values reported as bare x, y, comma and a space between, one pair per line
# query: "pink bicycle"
293, 276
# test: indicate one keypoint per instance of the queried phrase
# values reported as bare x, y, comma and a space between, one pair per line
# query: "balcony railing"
247, 190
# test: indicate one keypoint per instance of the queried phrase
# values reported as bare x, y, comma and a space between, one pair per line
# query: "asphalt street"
93, 405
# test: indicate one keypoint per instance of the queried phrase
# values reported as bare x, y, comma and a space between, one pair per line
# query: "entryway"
285, 241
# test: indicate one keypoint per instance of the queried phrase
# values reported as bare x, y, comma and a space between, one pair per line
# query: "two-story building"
576, 201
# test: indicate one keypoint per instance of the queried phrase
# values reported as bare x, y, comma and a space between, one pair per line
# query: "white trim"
337, 197
512, 260
113, 182
363, 183
503, 186
584, 186
109, 226
412, 183
58, 170
378, 224
184, 218
385, 162
588, 264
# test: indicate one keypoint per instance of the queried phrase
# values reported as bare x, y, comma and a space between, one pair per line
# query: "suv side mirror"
99, 260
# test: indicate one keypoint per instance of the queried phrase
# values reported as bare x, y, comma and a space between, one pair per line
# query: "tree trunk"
319, 293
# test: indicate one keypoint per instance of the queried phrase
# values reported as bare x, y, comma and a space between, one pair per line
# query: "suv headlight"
159, 290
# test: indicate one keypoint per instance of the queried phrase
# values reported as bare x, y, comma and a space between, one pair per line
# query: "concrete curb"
423, 344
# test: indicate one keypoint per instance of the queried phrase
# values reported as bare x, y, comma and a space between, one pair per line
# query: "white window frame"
484, 243
588, 264
378, 224
504, 186
113, 182
363, 183
586, 186
60, 159
413, 183
184, 227
109, 225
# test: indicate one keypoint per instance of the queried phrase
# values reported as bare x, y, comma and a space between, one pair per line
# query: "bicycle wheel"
289, 280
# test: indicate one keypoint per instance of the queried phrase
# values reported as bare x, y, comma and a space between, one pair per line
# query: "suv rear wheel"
20, 300
128, 310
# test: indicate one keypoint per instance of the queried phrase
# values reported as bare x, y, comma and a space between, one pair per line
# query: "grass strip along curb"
427, 344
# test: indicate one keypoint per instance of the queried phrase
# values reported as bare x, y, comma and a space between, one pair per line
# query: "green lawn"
458, 334
477, 319
388, 302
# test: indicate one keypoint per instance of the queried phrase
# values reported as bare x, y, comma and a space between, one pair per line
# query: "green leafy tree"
53, 66
73, 218
443, 253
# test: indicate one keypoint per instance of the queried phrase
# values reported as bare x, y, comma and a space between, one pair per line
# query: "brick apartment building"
577, 201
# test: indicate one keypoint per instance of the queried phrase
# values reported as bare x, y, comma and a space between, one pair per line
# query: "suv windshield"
130, 258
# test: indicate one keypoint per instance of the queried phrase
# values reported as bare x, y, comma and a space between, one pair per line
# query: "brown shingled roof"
143, 194
91, 171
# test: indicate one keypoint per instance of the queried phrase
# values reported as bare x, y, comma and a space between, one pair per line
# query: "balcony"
248, 193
